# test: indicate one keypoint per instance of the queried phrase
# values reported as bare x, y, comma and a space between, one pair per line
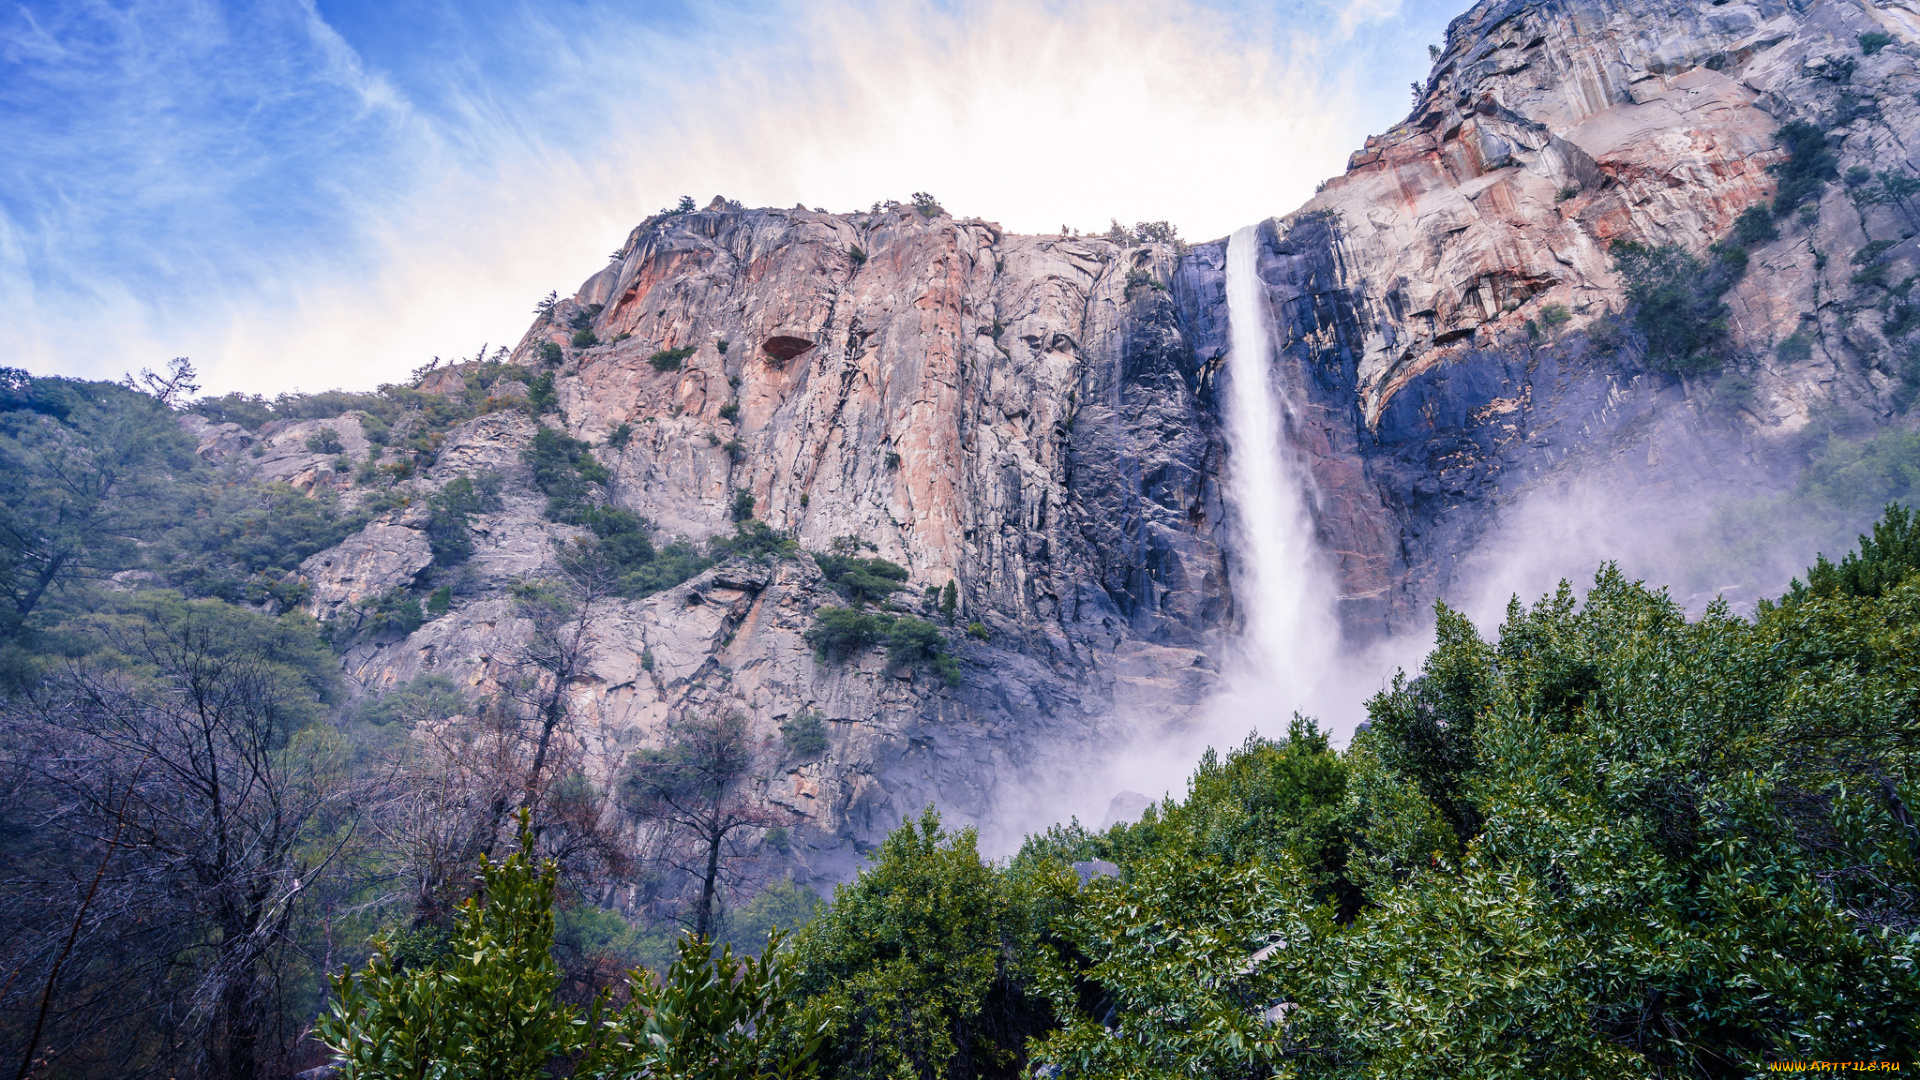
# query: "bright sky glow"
305, 194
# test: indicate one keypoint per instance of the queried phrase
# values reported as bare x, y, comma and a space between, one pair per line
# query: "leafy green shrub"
250, 411
861, 581
949, 601
550, 354
670, 359
675, 562
837, 632
425, 697
620, 436
754, 539
743, 503
924, 964
585, 338
735, 449
486, 1008
1874, 40
1795, 347
439, 601
1754, 227
805, 735
450, 514
565, 470
927, 205
485, 1005
1676, 301
1809, 166
713, 1016
541, 397
720, 346
858, 256
977, 631
624, 536
1883, 560
730, 411
325, 441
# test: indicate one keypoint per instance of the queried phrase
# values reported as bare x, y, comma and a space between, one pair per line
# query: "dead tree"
191, 769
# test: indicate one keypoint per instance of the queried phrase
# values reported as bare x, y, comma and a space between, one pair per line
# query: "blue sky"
315, 194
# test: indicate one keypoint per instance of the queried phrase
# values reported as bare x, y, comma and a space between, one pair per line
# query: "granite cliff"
1036, 419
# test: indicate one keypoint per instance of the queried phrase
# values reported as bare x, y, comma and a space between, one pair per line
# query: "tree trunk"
703, 922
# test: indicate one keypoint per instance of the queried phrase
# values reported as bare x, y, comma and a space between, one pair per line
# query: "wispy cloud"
302, 196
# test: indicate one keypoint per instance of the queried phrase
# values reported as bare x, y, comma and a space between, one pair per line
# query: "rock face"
1036, 418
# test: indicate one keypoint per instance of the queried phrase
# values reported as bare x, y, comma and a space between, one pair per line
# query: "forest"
1603, 838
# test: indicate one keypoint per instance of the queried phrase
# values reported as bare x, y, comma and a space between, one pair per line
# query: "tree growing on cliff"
697, 789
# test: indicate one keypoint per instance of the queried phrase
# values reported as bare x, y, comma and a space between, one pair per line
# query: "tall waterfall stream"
1289, 633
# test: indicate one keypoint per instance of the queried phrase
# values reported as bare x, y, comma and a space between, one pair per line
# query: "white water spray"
1289, 632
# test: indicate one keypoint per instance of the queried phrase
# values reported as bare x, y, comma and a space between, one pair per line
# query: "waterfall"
1289, 632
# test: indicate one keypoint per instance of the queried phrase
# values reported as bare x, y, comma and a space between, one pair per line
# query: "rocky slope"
1035, 418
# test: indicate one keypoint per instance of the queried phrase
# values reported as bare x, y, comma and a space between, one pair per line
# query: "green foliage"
1810, 164
1609, 841
676, 562
713, 1017
239, 540
325, 441
1883, 561
838, 632
780, 908
620, 436
949, 601
1856, 476
565, 470
1754, 227
585, 338
923, 966
805, 735
1151, 976
1676, 301
861, 581
1874, 40
84, 468
485, 1011
424, 698
927, 205
858, 256
550, 354
743, 503
730, 412
624, 536
393, 614
450, 514
977, 630
1795, 347
624, 539
753, 539
670, 359
541, 398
